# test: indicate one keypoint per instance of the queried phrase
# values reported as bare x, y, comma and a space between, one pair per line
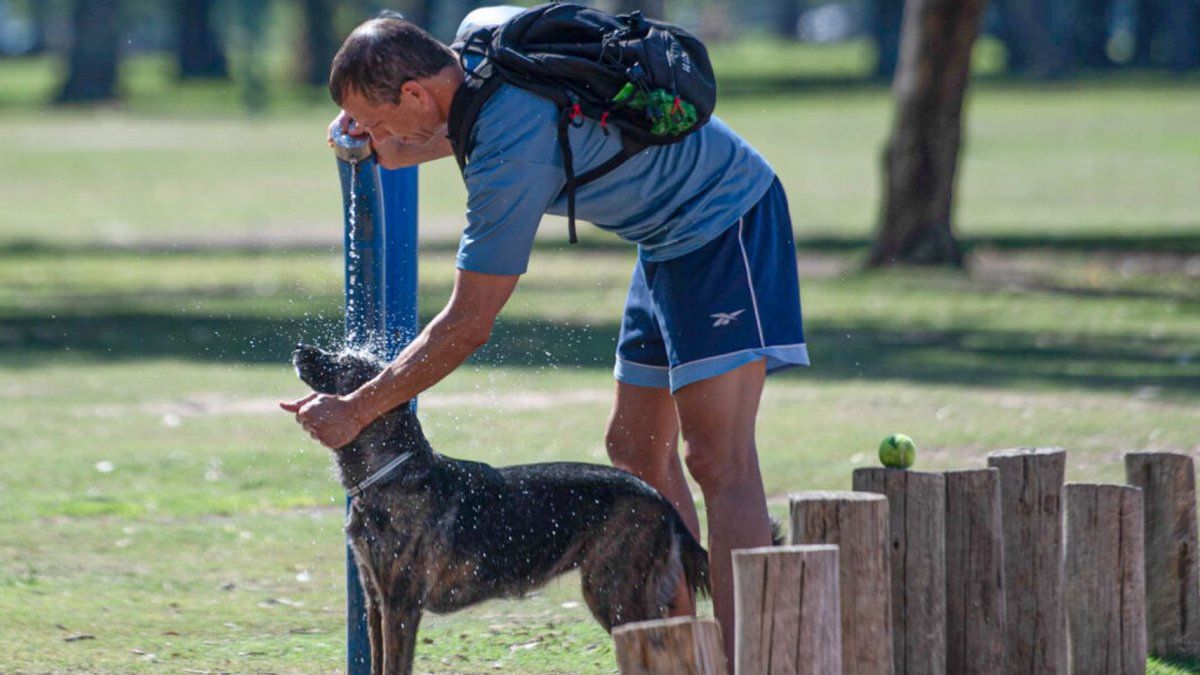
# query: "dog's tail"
694, 559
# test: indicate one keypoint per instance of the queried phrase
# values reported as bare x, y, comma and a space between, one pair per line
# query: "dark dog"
436, 533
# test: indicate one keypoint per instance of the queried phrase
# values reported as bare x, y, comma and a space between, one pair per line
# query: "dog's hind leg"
399, 639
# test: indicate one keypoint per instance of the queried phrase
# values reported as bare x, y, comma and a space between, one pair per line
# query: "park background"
171, 225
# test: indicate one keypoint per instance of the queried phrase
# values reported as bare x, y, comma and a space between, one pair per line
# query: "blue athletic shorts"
733, 301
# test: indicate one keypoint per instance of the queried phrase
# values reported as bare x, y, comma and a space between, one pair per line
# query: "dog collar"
379, 475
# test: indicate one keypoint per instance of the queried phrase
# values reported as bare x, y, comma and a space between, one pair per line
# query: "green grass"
154, 499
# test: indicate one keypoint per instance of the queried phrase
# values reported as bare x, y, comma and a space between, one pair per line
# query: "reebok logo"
725, 318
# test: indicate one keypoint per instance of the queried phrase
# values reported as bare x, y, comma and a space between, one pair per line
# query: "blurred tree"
1150, 15
319, 44
1167, 34
921, 157
785, 18
1090, 34
198, 48
1183, 17
93, 55
886, 17
39, 16
1036, 37
653, 9
250, 36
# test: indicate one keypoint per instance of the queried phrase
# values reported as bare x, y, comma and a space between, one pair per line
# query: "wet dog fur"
440, 534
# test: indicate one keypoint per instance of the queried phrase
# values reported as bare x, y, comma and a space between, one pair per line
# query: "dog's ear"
317, 368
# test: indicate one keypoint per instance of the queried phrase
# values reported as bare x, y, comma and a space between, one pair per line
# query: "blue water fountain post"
381, 300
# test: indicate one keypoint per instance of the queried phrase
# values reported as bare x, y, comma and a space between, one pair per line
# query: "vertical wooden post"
786, 599
1168, 483
917, 526
1106, 593
858, 523
681, 645
974, 573
1031, 488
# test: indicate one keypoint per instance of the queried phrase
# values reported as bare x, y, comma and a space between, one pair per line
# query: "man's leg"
643, 439
717, 419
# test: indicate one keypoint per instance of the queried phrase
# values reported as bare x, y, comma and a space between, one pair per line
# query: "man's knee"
635, 453
718, 467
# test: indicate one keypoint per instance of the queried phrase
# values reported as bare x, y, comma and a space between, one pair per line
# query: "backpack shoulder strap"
464, 110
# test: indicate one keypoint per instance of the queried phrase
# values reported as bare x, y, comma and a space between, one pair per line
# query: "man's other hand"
331, 420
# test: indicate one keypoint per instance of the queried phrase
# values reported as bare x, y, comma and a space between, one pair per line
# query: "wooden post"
786, 599
917, 526
1106, 592
1168, 483
1031, 486
974, 573
858, 523
683, 645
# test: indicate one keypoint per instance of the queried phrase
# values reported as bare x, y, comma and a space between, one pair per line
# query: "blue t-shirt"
669, 199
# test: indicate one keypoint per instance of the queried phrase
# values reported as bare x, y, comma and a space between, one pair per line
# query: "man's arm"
454, 334
462, 327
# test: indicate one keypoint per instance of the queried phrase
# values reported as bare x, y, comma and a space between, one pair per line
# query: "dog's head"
334, 372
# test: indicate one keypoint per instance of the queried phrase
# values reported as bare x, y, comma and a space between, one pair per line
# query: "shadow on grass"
839, 351
1184, 243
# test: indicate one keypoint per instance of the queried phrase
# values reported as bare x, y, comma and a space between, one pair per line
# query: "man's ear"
415, 92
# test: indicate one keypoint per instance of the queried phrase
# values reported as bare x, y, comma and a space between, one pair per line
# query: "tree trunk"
93, 56
200, 52
1147, 28
922, 155
785, 16
887, 17
319, 43
1089, 37
1036, 36
1183, 19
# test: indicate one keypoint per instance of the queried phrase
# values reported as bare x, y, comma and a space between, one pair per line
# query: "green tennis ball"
897, 451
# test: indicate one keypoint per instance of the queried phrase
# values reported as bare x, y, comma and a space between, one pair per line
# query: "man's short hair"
381, 55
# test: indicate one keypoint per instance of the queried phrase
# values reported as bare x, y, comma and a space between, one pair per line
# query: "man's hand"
331, 420
345, 124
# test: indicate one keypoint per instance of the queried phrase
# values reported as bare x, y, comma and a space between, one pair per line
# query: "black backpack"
651, 80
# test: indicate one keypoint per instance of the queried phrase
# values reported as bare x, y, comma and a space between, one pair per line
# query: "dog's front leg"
375, 628
399, 638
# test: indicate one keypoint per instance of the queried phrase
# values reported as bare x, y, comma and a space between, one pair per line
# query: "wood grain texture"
788, 611
1031, 497
974, 573
1105, 592
676, 646
857, 522
917, 532
1168, 483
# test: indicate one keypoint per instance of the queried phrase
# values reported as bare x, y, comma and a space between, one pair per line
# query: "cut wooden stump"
677, 646
1105, 593
858, 523
1031, 498
974, 573
917, 532
1168, 483
786, 599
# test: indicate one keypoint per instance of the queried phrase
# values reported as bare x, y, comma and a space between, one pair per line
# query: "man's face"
412, 119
